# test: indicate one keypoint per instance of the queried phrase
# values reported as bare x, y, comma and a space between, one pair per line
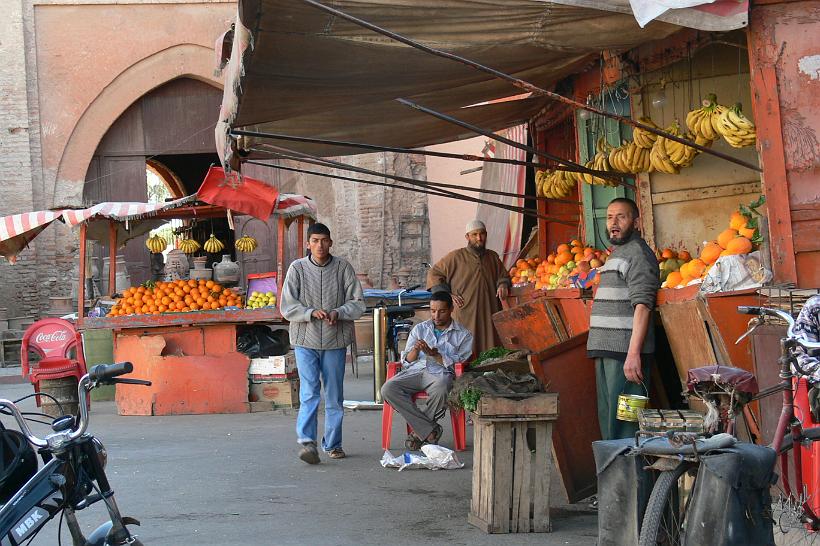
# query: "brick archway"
183, 60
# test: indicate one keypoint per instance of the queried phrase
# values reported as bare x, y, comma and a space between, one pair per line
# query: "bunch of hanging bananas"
189, 246
642, 137
156, 244
213, 245
630, 158
669, 156
599, 162
735, 128
554, 184
702, 122
246, 244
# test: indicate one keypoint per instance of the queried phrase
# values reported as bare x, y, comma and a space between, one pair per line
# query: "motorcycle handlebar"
101, 372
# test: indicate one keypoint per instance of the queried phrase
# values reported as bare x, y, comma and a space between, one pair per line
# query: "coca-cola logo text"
45, 337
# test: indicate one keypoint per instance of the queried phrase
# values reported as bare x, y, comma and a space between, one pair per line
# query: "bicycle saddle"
703, 378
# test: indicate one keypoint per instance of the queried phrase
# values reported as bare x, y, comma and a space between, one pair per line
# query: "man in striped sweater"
621, 333
321, 298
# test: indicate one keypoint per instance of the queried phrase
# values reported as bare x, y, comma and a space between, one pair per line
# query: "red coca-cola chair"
60, 347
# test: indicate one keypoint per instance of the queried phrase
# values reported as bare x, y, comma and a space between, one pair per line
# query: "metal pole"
456, 186
377, 148
612, 175
379, 351
308, 158
449, 195
526, 86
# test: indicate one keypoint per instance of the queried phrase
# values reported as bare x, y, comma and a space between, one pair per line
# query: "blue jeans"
329, 367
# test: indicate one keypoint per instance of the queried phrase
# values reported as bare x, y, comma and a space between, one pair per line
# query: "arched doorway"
162, 132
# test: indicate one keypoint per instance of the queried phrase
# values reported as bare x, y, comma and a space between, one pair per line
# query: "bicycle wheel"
665, 516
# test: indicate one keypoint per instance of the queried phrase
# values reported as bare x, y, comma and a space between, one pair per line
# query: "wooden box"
512, 465
542, 405
282, 394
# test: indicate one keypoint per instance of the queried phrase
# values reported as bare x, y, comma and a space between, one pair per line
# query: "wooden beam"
766, 107
81, 287
709, 192
112, 258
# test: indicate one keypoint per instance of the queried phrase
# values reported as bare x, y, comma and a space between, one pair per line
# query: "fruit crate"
263, 282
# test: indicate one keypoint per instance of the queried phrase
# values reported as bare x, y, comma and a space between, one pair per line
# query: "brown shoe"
309, 453
336, 453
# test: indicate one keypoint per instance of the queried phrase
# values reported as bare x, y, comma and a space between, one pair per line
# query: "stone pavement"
221, 480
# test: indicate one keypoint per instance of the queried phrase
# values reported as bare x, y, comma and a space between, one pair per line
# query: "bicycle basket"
18, 463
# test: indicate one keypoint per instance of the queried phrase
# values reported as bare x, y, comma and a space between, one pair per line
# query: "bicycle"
72, 477
666, 516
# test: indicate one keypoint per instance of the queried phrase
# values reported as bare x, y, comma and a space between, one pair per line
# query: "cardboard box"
273, 365
280, 393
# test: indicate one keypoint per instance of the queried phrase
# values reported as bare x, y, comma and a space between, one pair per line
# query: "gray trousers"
398, 390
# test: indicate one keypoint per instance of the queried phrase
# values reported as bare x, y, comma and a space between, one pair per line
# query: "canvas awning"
299, 71
132, 220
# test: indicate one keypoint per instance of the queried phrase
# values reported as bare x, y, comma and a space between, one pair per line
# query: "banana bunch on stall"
669, 156
642, 137
703, 121
156, 244
554, 184
599, 162
189, 246
630, 158
213, 245
246, 244
735, 128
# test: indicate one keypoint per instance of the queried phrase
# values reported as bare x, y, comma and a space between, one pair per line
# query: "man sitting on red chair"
433, 348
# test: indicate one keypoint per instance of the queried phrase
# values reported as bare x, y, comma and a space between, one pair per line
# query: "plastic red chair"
53, 339
457, 417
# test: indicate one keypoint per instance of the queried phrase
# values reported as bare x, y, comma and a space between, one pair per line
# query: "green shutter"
596, 198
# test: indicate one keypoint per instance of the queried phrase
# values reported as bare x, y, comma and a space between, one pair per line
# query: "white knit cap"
475, 225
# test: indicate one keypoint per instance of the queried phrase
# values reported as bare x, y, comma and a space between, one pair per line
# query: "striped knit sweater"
310, 287
629, 277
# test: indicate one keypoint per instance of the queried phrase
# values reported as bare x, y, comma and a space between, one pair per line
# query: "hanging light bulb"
658, 100
586, 114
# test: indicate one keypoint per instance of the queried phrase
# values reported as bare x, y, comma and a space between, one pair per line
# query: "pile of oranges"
179, 296
568, 259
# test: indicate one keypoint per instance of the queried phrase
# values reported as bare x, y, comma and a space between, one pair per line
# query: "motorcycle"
72, 477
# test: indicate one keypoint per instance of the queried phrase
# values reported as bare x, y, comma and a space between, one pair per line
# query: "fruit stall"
180, 328
181, 332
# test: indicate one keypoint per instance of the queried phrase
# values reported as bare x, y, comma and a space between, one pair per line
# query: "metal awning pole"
434, 185
396, 149
81, 287
112, 258
612, 175
526, 86
520, 210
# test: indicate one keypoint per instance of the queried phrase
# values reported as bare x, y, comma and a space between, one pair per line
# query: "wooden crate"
512, 465
281, 393
533, 405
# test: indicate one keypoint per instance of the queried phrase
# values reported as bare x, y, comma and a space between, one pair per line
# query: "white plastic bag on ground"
736, 272
434, 457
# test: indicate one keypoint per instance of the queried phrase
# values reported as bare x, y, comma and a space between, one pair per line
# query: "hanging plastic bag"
736, 272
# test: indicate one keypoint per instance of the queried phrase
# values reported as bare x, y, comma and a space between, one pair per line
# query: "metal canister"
629, 405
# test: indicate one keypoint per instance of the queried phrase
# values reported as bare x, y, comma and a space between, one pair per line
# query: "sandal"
436, 432
413, 442
336, 453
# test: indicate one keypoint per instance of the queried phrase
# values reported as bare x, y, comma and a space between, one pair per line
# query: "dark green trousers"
611, 382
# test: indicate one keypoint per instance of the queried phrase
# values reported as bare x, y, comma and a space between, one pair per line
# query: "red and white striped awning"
17, 231
133, 220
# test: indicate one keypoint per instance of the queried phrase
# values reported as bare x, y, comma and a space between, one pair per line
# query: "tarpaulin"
504, 226
238, 193
299, 71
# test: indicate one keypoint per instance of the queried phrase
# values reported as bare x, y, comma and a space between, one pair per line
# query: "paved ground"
221, 480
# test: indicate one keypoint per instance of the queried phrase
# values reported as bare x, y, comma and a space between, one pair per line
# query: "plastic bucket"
629, 405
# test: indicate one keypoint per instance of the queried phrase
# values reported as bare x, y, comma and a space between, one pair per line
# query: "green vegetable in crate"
469, 398
490, 354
